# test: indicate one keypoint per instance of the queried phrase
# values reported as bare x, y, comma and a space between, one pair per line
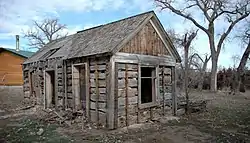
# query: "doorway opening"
31, 83
79, 83
50, 88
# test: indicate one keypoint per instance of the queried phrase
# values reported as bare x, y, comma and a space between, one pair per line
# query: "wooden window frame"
156, 89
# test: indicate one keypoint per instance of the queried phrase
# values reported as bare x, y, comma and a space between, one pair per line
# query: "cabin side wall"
127, 92
34, 80
146, 49
97, 80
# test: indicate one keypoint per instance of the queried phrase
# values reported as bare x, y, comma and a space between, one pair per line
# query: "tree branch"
167, 5
45, 31
226, 33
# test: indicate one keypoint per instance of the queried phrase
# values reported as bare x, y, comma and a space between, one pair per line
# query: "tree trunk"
213, 84
214, 56
186, 48
242, 65
204, 67
201, 81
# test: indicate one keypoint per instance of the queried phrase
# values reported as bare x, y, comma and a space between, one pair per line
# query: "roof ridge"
18, 50
147, 12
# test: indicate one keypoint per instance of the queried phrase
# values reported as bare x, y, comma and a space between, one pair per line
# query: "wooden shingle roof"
103, 39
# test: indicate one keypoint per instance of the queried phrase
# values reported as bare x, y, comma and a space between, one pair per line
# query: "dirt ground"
227, 119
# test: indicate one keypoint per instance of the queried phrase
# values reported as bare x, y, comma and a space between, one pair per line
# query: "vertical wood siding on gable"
146, 42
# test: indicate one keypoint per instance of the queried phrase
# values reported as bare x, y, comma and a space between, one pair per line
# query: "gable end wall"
146, 42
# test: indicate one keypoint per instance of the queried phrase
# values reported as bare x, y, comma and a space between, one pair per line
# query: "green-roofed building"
11, 65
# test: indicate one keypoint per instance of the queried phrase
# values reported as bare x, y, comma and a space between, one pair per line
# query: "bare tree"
212, 10
44, 32
245, 57
186, 43
202, 67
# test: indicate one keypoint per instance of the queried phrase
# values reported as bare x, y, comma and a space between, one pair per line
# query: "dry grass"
11, 97
227, 120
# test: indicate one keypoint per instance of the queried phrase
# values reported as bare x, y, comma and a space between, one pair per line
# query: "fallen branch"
63, 119
27, 107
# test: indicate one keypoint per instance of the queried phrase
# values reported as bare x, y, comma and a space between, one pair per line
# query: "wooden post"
73, 87
174, 101
138, 112
126, 93
115, 88
97, 92
56, 87
111, 99
44, 90
65, 85
163, 87
87, 90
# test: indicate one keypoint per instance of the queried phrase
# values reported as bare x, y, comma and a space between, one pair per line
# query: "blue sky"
16, 17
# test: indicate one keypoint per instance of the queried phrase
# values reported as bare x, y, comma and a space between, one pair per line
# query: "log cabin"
119, 74
11, 66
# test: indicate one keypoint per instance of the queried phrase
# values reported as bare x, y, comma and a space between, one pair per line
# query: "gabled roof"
60, 45
103, 39
22, 53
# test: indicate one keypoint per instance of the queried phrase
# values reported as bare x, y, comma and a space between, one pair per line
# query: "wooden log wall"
165, 83
60, 82
38, 69
37, 76
69, 96
98, 72
26, 87
127, 96
97, 75
165, 86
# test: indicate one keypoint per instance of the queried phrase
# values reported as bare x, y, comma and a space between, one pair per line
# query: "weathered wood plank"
126, 93
131, 74
111, 97
131, 67
99, 62
174, 98
101, 83
97, 92
100, 76
102, 97
101, 115
131, 83
101, 106
132, 119
101, 90
100, 68
131, 100
87, 90
131, 109
146, 41
131, 92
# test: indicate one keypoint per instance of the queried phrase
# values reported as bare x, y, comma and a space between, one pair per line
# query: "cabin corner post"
65, 102
111, 96
174, 94
87, 89
44, 90
56, 87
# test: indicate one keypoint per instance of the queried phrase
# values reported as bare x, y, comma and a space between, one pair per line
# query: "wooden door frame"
31, 88
75, 69
46, 73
